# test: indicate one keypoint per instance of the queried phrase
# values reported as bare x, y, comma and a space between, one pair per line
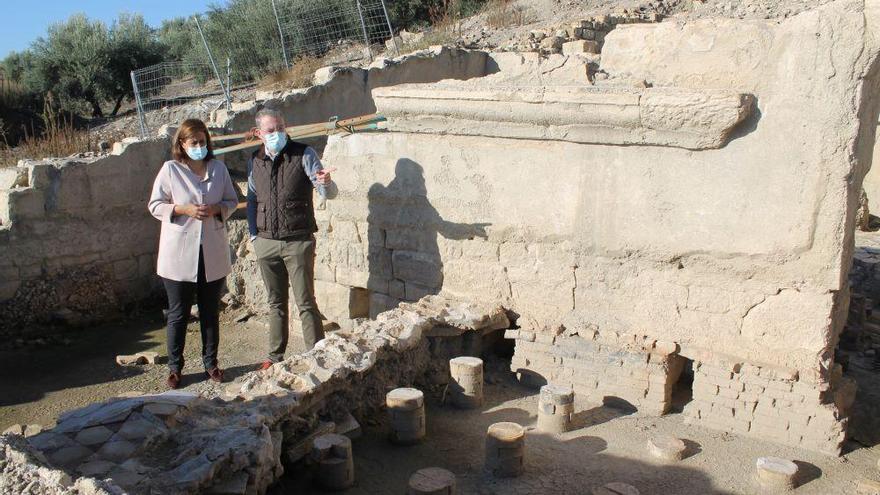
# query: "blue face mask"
275, 141
197, 152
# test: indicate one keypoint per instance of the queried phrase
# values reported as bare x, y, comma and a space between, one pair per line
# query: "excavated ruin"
675, 211
177, 442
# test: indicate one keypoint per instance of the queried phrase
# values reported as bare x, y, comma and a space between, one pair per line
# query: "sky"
25, 21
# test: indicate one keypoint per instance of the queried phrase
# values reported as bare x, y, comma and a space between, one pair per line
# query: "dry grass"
11, 93
445, 28
505, 13
300, 75
59, 139
447, 35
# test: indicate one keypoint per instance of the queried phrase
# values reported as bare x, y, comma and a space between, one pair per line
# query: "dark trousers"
180, 300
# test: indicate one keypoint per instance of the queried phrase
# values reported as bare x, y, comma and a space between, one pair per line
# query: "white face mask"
275, 141
197, 152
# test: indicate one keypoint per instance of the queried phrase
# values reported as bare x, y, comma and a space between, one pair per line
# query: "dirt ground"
38, 383
609, 445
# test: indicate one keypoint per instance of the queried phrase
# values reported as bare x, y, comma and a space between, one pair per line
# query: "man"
281, 218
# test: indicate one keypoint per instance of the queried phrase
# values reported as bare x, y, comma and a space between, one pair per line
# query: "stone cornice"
684, 118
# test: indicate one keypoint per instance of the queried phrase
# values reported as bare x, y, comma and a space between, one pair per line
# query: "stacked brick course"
772, 404
769, 403
604, 367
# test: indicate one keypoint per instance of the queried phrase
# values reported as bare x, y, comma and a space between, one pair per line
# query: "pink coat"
181, 235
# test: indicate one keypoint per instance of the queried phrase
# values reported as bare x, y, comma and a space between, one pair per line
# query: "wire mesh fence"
251, 40
158, 88
349, 26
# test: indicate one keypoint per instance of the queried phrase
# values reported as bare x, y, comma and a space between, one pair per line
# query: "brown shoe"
173, 381
266, 365
215, 374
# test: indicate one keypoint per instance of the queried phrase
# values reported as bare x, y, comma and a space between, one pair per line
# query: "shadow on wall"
405, 262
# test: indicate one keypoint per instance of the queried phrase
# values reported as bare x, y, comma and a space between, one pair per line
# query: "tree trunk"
118, 104
96, 107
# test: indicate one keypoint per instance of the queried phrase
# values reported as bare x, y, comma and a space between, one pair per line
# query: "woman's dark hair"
187, 129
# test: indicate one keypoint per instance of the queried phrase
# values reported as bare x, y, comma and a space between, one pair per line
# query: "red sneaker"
173, 381
266, 365
215, 374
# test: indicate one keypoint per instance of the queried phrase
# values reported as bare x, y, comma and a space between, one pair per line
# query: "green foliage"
177, 38
85, 64
244, 31
72, 61
133, 45
84, 61
406, 14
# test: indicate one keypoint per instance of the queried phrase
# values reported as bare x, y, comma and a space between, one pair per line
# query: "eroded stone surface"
777, 473
667, 448
505, 449
693, 119
201, 443
431, 481
616, 488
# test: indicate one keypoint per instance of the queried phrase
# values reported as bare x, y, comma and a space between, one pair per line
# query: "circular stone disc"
506, 431
466, 362
331, 440
557, 394
667, 447
432, 479
777, 465
410, 397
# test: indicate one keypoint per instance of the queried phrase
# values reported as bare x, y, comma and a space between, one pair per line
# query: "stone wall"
702, 196
345, 92
77, 240
772, 404
623, 371
872, 184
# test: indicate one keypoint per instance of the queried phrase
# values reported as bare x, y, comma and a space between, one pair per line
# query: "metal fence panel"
158, 88
316, 29
344, 30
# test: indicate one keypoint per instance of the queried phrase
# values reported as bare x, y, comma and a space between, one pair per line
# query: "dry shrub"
300, 75
441, 36
445, 27
505, 13
59, 139
446, 17
11, 93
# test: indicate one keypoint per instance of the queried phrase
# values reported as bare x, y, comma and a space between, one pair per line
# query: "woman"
193, 196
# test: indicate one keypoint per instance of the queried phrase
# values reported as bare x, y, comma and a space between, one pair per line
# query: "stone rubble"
179, 442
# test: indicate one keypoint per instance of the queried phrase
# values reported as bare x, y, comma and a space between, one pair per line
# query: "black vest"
284, 194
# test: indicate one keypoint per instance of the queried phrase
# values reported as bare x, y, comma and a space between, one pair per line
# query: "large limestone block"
421, 268
789, 319
671, 117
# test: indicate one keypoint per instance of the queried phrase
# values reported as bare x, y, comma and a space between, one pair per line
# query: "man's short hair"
268, 112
